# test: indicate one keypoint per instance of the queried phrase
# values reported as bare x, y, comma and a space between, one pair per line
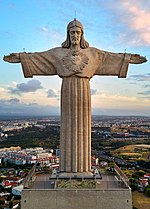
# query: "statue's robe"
75, 68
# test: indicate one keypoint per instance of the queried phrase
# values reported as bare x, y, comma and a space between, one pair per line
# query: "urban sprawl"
24, 143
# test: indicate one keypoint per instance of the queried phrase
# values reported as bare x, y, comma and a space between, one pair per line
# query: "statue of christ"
76, 63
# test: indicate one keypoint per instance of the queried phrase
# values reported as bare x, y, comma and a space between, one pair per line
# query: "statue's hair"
83, 43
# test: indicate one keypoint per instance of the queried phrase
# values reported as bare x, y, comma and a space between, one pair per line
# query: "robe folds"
76, 68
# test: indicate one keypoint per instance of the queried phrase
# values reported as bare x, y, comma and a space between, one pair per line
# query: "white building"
17, 190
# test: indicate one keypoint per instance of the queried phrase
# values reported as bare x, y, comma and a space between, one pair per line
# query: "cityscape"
116, 141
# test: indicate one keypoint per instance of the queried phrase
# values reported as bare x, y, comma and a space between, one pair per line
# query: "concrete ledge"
76, 199
83, 175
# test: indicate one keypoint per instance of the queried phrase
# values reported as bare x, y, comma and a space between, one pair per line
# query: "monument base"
76, 199
77, 193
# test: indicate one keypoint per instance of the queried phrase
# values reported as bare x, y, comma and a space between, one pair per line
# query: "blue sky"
38, 25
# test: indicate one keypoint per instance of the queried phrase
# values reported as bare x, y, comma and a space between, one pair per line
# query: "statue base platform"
76, 199
77, 192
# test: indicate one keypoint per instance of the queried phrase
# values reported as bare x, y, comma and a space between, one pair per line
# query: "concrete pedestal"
77, 199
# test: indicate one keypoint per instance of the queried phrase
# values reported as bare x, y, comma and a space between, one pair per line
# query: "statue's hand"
13, 58
137, 59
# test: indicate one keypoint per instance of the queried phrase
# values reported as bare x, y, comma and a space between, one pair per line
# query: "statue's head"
73, 24
77, 26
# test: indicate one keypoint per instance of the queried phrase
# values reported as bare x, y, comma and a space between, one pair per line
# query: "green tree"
10, 204
147, 191
133, 186
2, 202
138, 174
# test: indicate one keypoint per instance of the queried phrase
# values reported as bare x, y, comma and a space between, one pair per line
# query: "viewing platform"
107, 181
109, 191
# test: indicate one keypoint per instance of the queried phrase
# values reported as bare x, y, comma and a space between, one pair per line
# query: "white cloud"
2, 89
3, 92
14, 83
141, 77
31, 86
14, 107
93, 91
117, 101
52, 36
41, 98
45, 30
52, 93
145, 92
140, 21
135, 16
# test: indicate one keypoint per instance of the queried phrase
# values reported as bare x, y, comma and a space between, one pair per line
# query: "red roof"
147, 175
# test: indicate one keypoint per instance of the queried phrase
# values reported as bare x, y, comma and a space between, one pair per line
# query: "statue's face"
75, 35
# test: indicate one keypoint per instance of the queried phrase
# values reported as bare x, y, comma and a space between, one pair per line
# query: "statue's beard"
75, 42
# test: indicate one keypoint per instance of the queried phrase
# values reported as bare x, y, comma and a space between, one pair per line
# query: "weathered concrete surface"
76, 199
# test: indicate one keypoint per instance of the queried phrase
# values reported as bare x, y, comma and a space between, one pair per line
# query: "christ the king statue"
76, 63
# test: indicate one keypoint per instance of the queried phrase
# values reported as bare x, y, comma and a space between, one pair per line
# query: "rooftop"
107, 182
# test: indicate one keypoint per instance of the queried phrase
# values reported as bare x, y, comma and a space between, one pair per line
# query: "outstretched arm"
12, 58
37, 63
137, 59
116, 64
